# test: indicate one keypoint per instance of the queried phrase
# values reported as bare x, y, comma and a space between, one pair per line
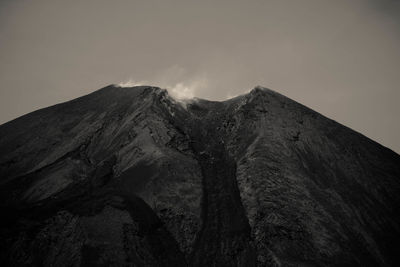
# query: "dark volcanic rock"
131, 177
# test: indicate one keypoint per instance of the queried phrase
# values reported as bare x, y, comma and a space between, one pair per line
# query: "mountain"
132, 177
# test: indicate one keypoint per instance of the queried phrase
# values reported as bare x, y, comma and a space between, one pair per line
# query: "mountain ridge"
183, 101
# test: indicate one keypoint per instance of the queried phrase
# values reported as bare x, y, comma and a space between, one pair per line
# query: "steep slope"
83, 164
129, 176
315, 192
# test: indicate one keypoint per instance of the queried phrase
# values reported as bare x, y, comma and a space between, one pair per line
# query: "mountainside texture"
131, 177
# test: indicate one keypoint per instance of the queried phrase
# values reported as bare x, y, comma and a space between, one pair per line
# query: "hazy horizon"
340, 58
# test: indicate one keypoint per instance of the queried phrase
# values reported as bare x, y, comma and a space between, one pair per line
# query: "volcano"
129, 176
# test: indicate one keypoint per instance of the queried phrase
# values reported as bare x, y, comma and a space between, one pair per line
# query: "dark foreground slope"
130, 177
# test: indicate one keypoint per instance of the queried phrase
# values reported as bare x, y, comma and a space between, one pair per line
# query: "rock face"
131, 177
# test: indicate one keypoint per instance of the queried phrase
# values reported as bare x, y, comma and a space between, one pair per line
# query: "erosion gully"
224, 239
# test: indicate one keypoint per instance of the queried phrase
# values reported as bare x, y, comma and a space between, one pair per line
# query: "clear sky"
339, 57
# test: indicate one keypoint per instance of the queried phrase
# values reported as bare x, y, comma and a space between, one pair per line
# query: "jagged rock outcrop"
131, 177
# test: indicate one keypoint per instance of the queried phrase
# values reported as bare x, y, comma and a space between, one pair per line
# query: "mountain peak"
260, 90
258, 180
151, 88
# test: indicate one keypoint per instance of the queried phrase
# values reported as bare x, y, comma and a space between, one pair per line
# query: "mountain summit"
131, 177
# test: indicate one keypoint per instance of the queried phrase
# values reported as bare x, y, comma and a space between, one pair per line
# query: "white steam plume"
131, 83
179, 91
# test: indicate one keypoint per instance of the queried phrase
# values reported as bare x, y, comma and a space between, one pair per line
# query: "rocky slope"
130, 177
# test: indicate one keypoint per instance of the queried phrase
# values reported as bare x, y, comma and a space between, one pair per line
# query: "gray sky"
339, 57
